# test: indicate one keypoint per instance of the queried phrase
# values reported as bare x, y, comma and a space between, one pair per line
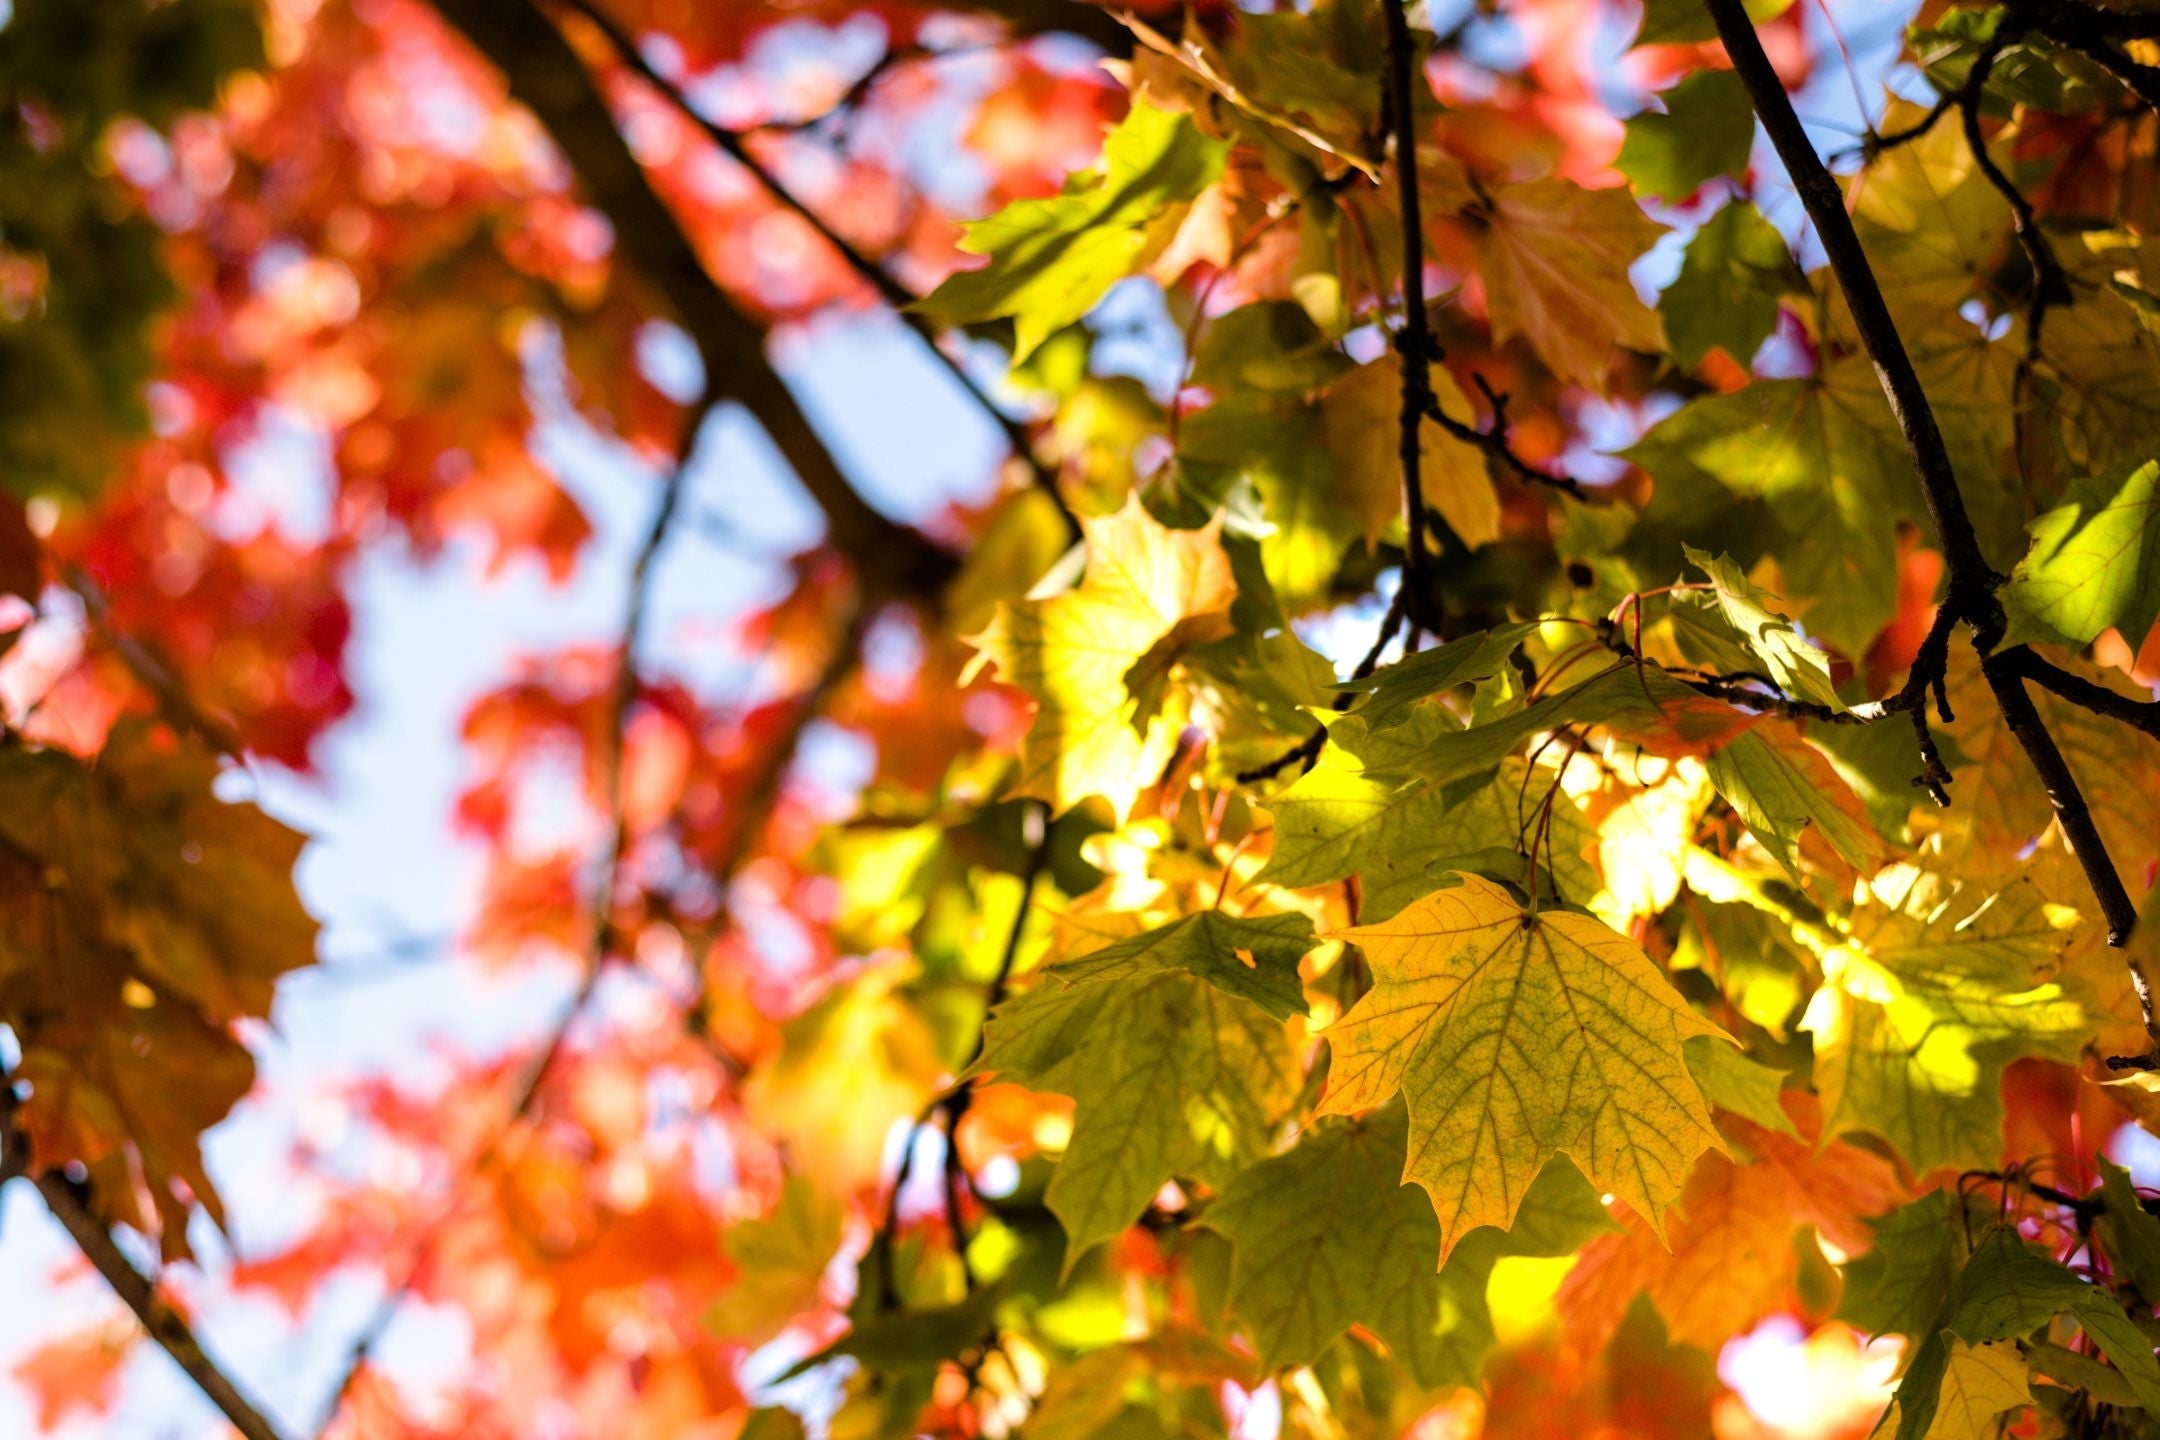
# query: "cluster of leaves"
1485, 1031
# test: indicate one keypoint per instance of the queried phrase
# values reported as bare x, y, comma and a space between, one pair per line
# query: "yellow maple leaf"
1556, 260
1096, 659
1980, 1384
1359, 416
1516, 1036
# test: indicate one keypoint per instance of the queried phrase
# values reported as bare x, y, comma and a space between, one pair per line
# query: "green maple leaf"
1705, 130
1735, 270
780, 1262
1903, 1281
1826, 457
1327, 1235
1170, 1076
1097, 658
1799, 669
1413, 685
1734, 1081
2094, 564
1401, 833
1676, 22
1517, 1036
1254, 959
1051, 260
2130, 1232
1781, 787
1918, 1014
2005, 1292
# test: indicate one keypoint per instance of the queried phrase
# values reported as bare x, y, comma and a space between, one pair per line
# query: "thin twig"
952, 1107
159, 1320
1197, 63
889, 289
2085, 694
1493, 440
525, 1093
1308, 749
548, 76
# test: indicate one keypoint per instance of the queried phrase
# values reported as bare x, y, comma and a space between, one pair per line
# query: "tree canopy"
1520, 805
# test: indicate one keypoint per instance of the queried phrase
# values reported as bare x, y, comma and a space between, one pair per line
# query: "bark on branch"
889, 289
1973, 581
547, 77
159, 1320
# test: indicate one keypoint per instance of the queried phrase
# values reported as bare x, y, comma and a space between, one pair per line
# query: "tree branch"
1090, 22
1973, 582
546, 76
1414, 341
159, 1320
953, 1104
2140, 714
889, 289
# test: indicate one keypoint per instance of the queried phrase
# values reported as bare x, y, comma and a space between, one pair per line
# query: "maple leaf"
1254, 958
1706, 129
2094, 564
1727, 294
1170, 1076
1327, 1235
780, 1262
1732, 1237
2004, 1292
1918, 1014
1785, 791
145, 917
1051, 260
1148, 594
1733, 1081
849, 1066
1824, 454
1358, 415
1517, 1036
1555, 261
77, 1372
1795, 666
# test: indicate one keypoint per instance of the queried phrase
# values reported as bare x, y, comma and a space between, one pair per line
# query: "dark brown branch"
1414, 341
952, 1106
1493, 440
546, 76
2049, 282
1970, 572
1874, 145
1971, 599
1308, 749
2023, 719
889, 289
159, 1320
2092, 32
2086, 695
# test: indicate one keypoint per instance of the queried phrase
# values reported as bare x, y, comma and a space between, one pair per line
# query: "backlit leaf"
1517, 1036
1051, 260
1148, 593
